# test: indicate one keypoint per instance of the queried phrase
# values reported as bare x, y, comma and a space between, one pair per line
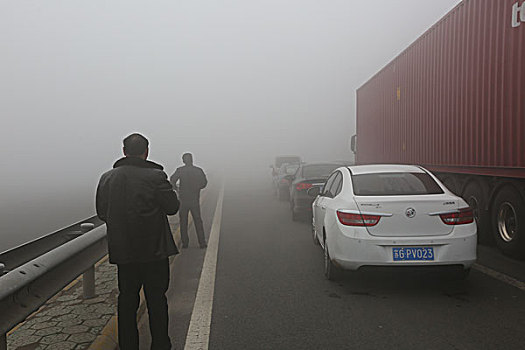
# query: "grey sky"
227, 79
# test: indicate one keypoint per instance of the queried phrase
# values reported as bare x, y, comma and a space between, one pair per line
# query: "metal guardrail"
15, 257
27, 287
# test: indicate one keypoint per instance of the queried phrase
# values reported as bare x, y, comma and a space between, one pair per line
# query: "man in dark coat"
192, 181
134, 199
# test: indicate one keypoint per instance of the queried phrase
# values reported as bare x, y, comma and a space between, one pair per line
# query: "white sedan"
391, 215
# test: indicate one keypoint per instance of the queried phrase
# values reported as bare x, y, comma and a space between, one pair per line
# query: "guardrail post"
88, 278
3, 342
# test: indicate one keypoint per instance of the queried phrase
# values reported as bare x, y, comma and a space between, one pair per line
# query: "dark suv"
307, 176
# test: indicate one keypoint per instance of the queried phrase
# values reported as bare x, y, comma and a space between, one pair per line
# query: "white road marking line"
500, 276
198, 336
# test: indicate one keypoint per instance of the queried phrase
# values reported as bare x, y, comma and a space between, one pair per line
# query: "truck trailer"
454, 102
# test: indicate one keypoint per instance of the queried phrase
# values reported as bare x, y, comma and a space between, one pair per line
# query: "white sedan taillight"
461, 217
354, 219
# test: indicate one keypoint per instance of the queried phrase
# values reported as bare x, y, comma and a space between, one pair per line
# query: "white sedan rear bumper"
354, 248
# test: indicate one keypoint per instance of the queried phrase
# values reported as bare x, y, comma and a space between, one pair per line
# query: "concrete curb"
108, 337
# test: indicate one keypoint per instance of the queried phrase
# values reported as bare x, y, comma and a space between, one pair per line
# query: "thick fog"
236, 82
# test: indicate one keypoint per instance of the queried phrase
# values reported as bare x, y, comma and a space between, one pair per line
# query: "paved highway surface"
269, 291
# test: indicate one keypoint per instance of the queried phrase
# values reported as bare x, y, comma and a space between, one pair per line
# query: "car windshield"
320, 170
394, 184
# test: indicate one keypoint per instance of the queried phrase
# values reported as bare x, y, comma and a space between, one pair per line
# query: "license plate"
413, 253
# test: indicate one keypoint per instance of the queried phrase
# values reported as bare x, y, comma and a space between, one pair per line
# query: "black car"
307, 176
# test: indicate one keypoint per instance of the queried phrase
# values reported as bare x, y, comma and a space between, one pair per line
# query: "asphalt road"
270, 291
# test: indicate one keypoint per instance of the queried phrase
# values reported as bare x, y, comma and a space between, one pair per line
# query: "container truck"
454, 102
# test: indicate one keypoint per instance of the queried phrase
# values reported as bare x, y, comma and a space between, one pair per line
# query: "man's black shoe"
203, 246
184, 246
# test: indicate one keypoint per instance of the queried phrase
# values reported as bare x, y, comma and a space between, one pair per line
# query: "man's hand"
166, 197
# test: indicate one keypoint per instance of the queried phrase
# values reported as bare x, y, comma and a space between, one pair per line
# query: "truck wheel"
508, 217
475, 197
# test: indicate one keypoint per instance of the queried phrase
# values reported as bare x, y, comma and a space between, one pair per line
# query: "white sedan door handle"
323, 207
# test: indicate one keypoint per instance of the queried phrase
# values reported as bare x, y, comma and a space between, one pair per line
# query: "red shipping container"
454, 100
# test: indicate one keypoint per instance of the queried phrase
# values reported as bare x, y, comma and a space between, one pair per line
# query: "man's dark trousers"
195, 210
154, 277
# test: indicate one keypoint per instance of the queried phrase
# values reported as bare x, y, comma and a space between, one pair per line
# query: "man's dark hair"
135, 145
187, 158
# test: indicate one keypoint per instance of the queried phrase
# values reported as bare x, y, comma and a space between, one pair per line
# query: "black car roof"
326, 163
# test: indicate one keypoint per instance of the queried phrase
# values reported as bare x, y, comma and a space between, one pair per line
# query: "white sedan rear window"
394, 184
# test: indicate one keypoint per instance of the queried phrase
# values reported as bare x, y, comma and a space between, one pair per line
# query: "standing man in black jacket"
192, 181
134, 199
